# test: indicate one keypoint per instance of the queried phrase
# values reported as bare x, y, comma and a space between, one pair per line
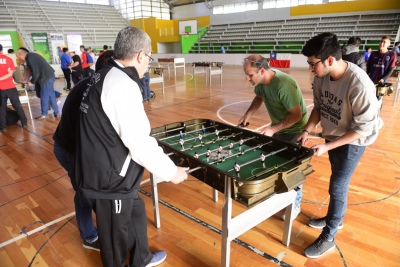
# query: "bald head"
256, 61
21, 54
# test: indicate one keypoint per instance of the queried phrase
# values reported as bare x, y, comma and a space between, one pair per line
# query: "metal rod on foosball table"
272, 168
213, 141
196, 137
168, 137
268, 155
241, 152
228, 144
193, 170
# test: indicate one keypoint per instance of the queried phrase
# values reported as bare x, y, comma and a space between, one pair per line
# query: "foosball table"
255, 170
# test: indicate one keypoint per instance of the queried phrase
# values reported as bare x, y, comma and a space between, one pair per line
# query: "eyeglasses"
255, 63
312, 65
150, 58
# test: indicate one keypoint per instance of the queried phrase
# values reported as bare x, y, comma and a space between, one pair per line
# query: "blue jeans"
47, 94
83, 209
292, 138
145, 81
344, 160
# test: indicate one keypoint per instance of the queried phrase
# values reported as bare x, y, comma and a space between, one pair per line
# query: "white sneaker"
296, 212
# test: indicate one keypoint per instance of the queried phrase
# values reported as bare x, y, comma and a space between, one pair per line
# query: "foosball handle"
243, 125
193, 170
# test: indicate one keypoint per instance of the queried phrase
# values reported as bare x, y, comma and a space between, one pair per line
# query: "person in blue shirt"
367, 53
223, 49
65, 62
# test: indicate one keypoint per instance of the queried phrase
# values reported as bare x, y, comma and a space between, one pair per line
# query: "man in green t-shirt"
283, 99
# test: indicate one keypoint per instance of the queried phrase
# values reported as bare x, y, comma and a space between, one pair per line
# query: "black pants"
67, 76
76, 77
122, 227
11, 94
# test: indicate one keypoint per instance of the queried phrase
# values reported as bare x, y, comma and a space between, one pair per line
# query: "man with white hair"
113, 149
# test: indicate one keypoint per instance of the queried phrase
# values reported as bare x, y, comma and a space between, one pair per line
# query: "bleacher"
289, 36
97, 24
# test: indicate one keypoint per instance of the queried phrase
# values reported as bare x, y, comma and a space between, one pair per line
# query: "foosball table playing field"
257, 171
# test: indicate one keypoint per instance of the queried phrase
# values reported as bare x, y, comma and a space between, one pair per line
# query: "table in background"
214, 68
178, 62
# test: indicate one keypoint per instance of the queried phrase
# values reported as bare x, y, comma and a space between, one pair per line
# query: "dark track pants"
122, 228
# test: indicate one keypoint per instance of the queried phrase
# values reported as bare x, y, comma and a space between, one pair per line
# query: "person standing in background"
9, 91
65, 63
381, 63
43, 76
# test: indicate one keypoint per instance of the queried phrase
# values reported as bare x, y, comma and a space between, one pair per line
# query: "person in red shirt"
84, 60
8, 91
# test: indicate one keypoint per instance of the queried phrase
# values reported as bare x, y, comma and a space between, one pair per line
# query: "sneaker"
158, 258
3, 129
57, 116
24, 125
320, 223
319, 247
94, 245
58, 102
296, 213
42, 117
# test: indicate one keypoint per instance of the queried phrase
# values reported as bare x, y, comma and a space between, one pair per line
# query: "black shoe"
319, 247
24, 125
94, 245
3, 130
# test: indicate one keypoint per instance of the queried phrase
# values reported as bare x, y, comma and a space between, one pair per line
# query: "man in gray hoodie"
351, 53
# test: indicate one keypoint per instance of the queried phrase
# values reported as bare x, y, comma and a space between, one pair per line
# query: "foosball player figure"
230, 147
181, 142
217, 133
237, 169
181, 135
240, 144
184, 128
262, 157
196, 156
200, 138
208, 154
219, 151
203, 130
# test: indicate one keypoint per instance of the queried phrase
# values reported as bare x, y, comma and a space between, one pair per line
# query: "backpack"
89, 60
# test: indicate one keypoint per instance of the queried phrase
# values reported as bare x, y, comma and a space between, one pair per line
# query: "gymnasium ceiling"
174, 3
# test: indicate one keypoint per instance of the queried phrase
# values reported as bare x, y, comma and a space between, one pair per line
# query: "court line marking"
15, 239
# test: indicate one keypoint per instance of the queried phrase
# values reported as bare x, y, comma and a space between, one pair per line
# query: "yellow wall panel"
164, 31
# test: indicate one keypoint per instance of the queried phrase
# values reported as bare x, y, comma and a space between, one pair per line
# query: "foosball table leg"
215, 195
156, 209
226, 217
287, 228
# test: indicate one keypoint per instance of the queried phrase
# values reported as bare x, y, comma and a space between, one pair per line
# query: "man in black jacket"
351, 53
42, 75
113, 149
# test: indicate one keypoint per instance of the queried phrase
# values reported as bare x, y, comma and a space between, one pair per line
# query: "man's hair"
105, 47
386, 37
10, 51
130, 41
103, 59
396, 43
322, 46
354, 40
65, 49
258, 61
367, 47
82, 46
23, 51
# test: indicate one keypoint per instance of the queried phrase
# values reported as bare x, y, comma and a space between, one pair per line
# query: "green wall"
16, 41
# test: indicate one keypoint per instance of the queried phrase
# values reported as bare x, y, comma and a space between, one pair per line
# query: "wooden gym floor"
38, 227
